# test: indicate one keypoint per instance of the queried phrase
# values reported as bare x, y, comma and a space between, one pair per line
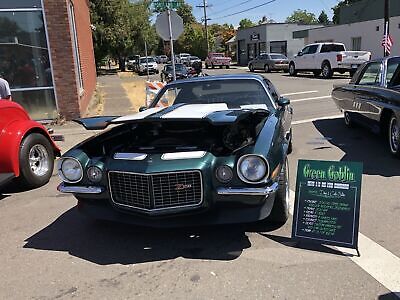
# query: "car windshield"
143, 60
234, 92
278, 56
178, 67
217, 55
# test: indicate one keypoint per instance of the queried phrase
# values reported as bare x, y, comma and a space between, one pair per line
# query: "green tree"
186, 12
245, 23
323, 18
120, 28
302, 17
336, 9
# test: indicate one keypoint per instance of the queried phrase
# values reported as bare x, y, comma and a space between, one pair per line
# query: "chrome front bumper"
79, 189
249, 191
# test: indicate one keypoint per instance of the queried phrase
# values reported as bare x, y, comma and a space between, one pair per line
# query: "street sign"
327, 202
162, 25
166, 4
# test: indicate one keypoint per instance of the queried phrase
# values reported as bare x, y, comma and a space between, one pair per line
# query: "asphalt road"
49, 251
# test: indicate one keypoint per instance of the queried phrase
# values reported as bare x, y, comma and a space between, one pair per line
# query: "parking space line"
378, 262
299, 93
316, 119
309, 99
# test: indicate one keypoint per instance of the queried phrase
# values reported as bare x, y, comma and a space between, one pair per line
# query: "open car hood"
216, 114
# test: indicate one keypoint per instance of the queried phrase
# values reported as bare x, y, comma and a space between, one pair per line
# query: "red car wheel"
36, 160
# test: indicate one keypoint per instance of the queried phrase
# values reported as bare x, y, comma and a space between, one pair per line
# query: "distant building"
361, 28
46, 54
269, 37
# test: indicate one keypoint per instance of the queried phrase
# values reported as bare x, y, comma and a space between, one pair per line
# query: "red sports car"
27, 151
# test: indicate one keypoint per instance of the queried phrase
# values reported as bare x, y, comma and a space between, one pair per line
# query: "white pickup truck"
326, 58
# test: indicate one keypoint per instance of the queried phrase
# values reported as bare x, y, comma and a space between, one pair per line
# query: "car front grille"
158, 191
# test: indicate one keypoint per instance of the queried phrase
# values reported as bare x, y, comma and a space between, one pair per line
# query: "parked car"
182, 57
163, 59
149, 63
269, 62
326, 58
217, 60
217, 154
192, 59
27, 151
181, 72
132, 62
372, 98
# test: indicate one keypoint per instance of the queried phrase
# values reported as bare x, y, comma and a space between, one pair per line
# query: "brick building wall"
71, 103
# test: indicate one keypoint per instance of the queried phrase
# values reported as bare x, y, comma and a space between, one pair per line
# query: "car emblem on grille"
182, 187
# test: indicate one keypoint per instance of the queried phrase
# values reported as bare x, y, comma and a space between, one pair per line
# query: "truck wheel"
251, 68
326, 70
212, 66
394, 136
280, 210
267, 69
36, 158
228, 67
292, 69
206, 66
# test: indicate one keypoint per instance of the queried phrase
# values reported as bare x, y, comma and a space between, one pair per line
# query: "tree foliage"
337, 7
302, 17
245, 23
323, 18
186, 12
120, 28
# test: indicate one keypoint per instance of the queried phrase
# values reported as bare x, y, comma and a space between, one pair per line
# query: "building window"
377, 28
278, 47
74, 35
356, 43
262, 47
24, 57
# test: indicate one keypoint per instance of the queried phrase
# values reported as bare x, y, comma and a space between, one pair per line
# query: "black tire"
292, 69
228, 67
280, 210
267, 69
206, 66
348, 119
35, 146
251, 68
394, 136
326, 70
212, 66
317, 73
220, 66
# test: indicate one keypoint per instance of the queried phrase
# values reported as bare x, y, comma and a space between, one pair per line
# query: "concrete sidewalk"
116, 101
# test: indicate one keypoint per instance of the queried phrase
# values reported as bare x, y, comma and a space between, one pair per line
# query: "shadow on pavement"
311, 76
288, 242
106, 243
390, 296
3, 196
359, 144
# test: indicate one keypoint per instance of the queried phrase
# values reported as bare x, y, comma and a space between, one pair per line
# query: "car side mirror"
300, 53
282, 102
142, 108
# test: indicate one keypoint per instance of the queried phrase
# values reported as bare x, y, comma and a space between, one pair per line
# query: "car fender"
11, 139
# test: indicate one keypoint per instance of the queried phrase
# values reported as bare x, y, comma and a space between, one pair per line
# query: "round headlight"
224, 174
252, 169
94, 174
70, 170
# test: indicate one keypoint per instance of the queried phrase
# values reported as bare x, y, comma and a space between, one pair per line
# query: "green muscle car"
208, 150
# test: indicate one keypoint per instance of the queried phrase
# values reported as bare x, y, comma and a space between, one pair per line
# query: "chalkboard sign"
327, 203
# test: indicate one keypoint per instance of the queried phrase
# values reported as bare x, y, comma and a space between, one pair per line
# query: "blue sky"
277, 10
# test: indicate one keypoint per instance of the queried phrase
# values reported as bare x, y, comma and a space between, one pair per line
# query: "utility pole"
204, 6
386, 25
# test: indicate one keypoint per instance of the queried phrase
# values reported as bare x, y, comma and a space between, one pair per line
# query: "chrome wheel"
287, 189
39, 160
347, 119
394, 131
292, 70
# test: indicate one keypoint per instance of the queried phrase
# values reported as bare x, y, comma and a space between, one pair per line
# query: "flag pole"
386, 27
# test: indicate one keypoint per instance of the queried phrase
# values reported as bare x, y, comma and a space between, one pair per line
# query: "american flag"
387, 43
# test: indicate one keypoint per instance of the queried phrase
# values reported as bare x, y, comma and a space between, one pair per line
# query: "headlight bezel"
219, 178
61, 173
243, 178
